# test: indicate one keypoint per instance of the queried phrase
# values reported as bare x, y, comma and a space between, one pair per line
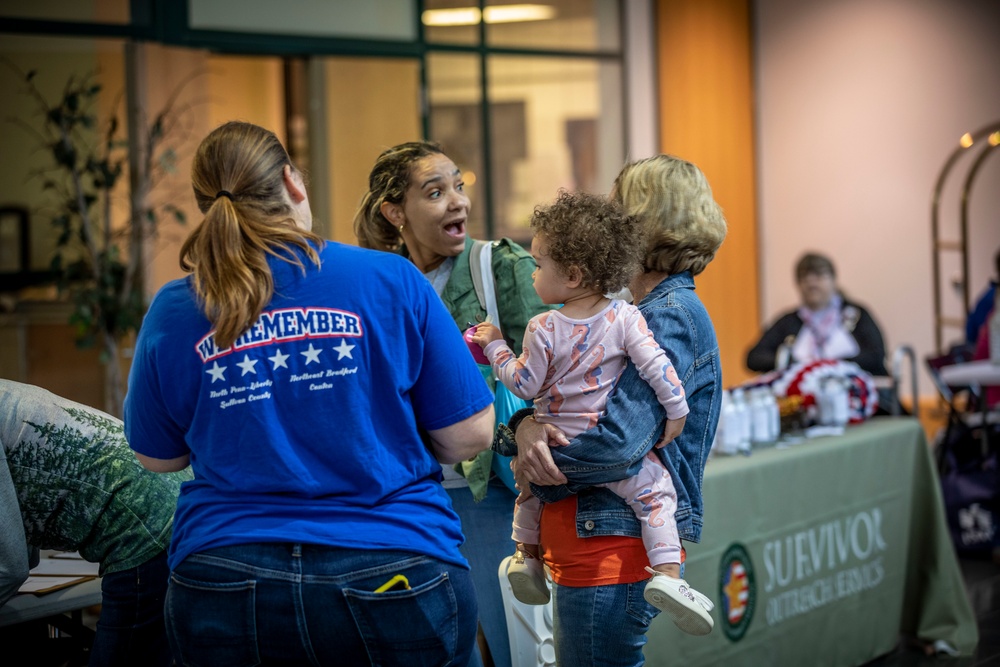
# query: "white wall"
859, 104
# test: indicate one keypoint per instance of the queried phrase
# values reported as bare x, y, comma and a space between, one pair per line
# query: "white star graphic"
344, 350
311, 355
247, 365
217, 372
278, 360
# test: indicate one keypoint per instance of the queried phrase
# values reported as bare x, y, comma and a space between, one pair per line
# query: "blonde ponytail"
238, 181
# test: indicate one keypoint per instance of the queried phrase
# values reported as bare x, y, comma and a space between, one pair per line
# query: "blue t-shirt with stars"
307, 428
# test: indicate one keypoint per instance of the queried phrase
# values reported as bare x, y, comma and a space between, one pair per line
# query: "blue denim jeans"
600, 625
130, 629
295, 604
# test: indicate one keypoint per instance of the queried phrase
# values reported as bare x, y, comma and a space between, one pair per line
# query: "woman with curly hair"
416, 206
587, 247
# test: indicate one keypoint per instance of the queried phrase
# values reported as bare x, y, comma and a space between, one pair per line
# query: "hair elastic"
224, 193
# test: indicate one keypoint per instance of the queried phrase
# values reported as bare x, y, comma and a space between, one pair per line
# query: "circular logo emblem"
737, 591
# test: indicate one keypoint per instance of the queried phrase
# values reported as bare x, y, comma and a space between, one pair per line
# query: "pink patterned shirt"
569, 367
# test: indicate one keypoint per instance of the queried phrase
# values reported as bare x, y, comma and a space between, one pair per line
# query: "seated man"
69, 481
825, 326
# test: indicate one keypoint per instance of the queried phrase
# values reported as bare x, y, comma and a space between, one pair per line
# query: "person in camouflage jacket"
70, 482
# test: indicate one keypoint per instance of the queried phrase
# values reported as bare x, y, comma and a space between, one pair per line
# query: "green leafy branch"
98, 265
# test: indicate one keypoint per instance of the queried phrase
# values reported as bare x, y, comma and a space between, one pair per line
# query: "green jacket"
517, 302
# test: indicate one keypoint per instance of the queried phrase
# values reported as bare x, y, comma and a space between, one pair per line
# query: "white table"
68, 638
29, 607
983, 373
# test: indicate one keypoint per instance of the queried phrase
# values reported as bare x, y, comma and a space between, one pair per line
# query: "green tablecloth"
822, 554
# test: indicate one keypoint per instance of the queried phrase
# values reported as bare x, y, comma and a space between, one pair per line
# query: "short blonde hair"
683, 224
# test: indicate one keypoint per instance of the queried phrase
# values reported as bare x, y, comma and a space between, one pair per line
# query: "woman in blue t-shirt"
314, 388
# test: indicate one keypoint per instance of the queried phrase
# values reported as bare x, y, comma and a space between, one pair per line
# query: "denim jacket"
634, 422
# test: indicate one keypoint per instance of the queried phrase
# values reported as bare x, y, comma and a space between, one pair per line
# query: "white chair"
529, 627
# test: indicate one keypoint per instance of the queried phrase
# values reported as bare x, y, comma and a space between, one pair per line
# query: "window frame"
167, 22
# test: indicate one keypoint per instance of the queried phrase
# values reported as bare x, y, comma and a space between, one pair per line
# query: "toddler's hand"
671, 431
525, 493
485, 334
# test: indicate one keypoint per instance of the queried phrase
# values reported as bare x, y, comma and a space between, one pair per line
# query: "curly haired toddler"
587, 247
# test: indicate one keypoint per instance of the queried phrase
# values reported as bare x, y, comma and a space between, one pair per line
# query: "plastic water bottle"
743, 419
729, 426
824, 403
840, 402
833, 402
716, 447
775, 410
760, 417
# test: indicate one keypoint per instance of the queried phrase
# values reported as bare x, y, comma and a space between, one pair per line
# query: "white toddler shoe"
527, 578
685, 606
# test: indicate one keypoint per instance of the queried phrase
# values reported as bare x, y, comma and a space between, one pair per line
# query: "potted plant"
98, 263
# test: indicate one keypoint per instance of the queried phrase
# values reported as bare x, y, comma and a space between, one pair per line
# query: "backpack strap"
481, 267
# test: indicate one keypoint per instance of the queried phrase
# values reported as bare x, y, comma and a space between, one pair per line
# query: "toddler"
586, 247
